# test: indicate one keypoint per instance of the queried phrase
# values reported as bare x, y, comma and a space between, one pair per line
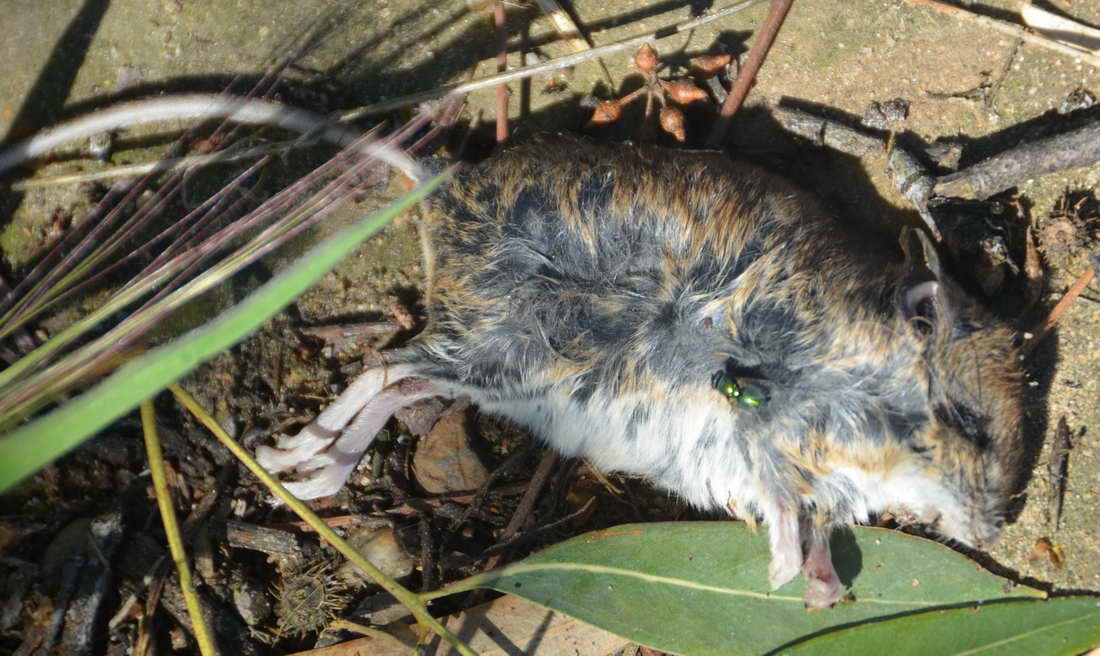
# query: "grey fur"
591, 292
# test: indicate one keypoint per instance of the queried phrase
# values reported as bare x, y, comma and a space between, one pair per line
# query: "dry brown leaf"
523, 626
1044, 547
444, 461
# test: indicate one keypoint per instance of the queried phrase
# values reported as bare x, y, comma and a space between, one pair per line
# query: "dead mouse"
704, 324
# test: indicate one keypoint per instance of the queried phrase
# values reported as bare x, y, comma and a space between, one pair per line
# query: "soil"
963, 83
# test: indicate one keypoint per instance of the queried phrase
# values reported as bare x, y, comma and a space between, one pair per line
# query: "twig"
477, 500
523, 511
1074, 291
909, 176
153, 598
527, 503
340, 521
1076, 148
172, 530
427, 561
997, 84
1080, 147
502, 66
777, 12
1058, 468
914, 182
526, 538
265, 539
823, 131
349, 331
1013, 30
543, 67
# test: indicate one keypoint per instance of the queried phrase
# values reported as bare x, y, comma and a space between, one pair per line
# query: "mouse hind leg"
324, 453
798, 544
823, 587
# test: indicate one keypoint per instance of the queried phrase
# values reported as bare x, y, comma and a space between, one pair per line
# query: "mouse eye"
972, 424
749, 395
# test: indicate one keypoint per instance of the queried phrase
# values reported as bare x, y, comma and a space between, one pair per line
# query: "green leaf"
1069, 625
702, 587
30, 447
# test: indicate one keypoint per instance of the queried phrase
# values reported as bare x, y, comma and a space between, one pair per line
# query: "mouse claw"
289, 452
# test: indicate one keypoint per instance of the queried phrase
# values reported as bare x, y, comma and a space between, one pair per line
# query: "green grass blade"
32, 446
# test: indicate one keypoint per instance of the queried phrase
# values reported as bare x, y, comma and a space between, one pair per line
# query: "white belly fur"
665, 447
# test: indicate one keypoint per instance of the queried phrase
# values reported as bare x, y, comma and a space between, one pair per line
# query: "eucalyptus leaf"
1069, 625
31, 446
702, 587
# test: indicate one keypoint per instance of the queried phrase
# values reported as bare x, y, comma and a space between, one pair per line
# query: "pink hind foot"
785, 536
823, 588
325, 452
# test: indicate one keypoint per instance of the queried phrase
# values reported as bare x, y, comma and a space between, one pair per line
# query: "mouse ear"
923, 296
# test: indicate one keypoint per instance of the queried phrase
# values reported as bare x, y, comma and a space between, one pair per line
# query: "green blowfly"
749, 395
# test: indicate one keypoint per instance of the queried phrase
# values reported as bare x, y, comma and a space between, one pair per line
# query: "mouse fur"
593, 292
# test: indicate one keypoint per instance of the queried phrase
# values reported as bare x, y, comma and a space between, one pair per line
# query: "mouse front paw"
786, 548
782, 569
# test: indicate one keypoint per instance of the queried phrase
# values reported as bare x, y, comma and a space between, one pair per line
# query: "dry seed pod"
683, 91
672, 122
309, 599
605, 113
646, 58
707, 66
